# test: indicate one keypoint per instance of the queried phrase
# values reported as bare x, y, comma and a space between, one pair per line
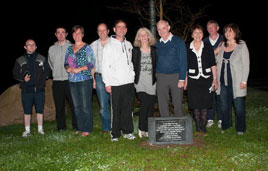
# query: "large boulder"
11, 111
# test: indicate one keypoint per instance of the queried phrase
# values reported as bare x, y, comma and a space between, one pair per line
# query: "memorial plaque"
170, 130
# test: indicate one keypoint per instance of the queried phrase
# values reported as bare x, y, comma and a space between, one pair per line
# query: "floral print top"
83, 57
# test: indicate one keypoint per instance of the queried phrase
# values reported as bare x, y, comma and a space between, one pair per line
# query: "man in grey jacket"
60, 87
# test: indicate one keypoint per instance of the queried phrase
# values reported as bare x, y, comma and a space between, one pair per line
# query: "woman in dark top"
144, 62
201, 77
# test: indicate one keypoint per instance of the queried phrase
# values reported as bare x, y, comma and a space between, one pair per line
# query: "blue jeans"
82, 96
227, 101
104, 99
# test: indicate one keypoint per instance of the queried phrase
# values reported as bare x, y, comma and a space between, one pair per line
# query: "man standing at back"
215, 40
103, 96
118, 76
60, 87
170, 70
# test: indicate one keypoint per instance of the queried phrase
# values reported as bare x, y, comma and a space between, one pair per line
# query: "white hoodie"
117, 66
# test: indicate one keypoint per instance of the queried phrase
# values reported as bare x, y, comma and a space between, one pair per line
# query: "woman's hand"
243, 85
73, 70
215, 83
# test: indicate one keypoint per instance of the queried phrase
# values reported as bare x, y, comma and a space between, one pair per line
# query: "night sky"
24, 20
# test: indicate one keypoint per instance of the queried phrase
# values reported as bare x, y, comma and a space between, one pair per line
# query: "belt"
96, 73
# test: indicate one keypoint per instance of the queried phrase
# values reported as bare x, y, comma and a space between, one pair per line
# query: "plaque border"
152, 132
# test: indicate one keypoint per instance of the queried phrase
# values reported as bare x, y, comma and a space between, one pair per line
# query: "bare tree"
179, 15
152, 17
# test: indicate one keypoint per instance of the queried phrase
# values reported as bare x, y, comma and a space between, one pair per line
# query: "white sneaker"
146, 134
26, 134
219, 123
240, 133
129, 136
141, 133
114, 139
210, 123
41, 132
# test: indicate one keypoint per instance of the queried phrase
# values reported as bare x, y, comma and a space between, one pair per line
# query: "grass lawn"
67, 151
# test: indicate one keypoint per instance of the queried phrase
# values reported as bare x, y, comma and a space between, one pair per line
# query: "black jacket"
41, 71
207, 58
136, 59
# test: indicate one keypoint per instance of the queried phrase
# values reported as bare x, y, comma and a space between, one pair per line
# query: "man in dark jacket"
215, 39
32, 70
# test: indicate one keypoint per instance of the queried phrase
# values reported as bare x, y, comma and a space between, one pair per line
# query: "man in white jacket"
118, 76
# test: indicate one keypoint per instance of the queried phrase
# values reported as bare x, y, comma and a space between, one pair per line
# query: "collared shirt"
199, 61
213, 42
98, 52
169, 38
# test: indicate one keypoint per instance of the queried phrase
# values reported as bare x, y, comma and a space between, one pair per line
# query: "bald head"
103, 31
162, 22
163, 29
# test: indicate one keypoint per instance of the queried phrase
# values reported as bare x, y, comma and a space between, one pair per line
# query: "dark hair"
76, 27
103, 24
236, 29
61, 28
199, 27
119, 21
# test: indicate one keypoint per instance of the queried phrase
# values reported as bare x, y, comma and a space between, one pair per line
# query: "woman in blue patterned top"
79, 61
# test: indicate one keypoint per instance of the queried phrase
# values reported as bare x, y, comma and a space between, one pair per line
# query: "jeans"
104, 99
82, 99
227, 101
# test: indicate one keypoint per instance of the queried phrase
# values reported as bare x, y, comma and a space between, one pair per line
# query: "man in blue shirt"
170, 69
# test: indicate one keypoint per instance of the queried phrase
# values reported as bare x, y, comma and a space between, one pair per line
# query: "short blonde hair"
152, 40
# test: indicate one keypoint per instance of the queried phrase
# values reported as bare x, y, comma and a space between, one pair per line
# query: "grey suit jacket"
239, 63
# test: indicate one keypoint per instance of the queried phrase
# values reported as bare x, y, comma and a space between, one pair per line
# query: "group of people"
205, 67
218, 69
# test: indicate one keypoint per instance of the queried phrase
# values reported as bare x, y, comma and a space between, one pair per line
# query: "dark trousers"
146, 109
122, 104
61, 92
215, 108
227, 101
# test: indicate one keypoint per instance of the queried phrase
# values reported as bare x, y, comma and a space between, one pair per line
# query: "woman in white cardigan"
232, 75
